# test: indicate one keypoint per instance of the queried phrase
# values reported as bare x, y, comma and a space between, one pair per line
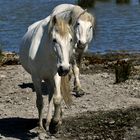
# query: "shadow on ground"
31, 86
114, 125
27, 85
17, 128
102, 125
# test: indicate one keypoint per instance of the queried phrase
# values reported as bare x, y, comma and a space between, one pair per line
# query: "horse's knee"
75, 70
57, 100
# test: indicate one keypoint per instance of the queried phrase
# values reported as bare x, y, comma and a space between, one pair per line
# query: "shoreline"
111, 56
90, 63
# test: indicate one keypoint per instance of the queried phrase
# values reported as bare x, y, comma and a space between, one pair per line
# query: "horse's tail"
65, 90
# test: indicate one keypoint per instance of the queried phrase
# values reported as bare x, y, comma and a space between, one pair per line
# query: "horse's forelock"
87, 17
61, 26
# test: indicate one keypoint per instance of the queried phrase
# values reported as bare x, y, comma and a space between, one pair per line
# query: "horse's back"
67, 11
31, 42
63, 11
62, 8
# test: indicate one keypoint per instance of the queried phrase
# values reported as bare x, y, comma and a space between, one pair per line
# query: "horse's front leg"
77, 85
57, 98
39, 99
50, 85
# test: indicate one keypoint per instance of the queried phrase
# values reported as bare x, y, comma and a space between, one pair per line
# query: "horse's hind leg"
39, 98
77, 86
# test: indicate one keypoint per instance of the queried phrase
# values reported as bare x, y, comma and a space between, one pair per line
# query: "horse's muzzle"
81, 45
63, 71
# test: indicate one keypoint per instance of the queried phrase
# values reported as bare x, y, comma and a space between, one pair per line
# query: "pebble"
112, 122
2, 76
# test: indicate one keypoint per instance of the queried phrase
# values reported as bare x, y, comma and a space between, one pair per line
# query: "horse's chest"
47, 71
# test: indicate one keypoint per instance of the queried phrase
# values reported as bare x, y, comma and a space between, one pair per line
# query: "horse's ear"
82, 13
70, 21
85, 10
54, 20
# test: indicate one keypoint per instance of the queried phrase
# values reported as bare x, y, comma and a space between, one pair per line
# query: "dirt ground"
108, 111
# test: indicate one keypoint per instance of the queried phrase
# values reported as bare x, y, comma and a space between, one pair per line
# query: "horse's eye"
71, 40
54, 40
78, 23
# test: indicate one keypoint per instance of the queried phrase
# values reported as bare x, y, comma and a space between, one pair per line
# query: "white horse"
45, 53
84, 24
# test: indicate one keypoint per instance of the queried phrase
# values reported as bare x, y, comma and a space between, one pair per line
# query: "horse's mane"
65, 90
62, 27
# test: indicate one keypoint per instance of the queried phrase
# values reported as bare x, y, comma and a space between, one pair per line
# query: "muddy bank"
91, 62
117, 124
112, 125
108, 111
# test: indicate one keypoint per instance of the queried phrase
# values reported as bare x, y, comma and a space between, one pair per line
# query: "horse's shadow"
27, 85
44, 87
18, 128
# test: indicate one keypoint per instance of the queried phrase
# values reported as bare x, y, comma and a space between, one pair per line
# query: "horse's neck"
77, 10
39, 35
66, 11
63, 11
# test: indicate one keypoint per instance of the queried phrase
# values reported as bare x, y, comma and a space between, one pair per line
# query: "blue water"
118, 25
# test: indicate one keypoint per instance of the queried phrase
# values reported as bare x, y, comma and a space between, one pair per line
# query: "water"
118, 25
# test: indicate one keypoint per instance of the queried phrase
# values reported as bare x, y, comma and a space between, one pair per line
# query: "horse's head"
84, 30
62, 39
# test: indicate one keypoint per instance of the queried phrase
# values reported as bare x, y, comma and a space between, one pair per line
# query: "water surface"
118, 25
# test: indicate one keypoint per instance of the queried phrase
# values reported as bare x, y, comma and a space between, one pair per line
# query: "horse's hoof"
54, 126
79, 93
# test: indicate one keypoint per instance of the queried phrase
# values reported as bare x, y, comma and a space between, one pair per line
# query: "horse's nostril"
62, 71
66, 71
81, 45
61, 68
79, 42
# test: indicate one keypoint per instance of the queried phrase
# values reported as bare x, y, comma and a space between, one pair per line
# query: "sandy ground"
107, 112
